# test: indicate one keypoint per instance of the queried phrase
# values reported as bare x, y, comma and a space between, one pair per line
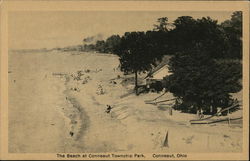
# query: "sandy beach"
58, 103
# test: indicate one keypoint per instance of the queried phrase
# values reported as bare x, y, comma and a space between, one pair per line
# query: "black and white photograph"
121, 84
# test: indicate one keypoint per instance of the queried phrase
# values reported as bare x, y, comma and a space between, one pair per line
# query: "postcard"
124, 80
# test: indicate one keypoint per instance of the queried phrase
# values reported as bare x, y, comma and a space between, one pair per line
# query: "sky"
49, 29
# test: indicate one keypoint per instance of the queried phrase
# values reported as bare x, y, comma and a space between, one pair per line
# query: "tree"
162, 25
136, 53
200, 81
183, 34
112, 43
89, 47
203, 73
100, 45
232, 30
108, 46
189, 33
158, 42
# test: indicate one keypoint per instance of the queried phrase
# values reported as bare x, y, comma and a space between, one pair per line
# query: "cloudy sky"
64, 28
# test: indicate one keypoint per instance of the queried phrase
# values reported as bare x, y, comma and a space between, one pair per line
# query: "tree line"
206, 58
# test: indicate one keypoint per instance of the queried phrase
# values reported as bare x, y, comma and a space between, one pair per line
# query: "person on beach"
200, 114
108, 108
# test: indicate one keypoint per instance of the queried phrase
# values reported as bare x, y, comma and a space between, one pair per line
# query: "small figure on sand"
71, 133
108, 109
218, 111
112, 82
200, 114
100, 90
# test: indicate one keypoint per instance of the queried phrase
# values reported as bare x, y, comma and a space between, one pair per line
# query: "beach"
58, 103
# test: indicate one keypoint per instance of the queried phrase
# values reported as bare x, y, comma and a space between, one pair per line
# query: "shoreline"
59, 102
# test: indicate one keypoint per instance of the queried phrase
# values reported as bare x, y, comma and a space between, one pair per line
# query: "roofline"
156, 71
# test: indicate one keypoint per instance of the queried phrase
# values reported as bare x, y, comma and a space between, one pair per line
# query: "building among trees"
155, 78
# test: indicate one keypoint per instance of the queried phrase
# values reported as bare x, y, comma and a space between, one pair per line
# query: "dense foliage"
204, 72
102, 46
138, 51
202, 82
232, 33
201, 33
